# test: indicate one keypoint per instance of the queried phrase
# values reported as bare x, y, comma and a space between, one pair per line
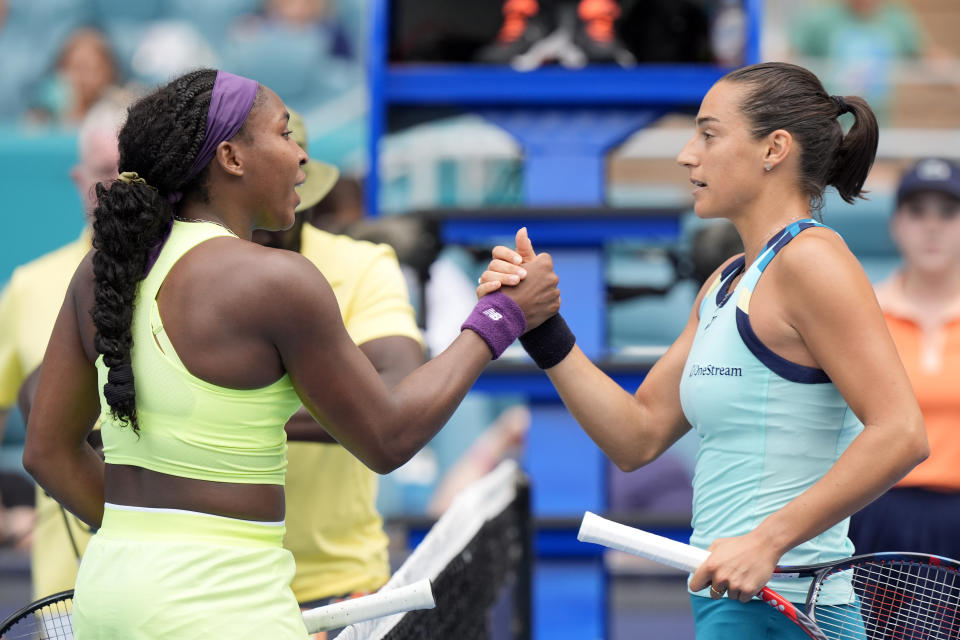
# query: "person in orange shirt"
921, 304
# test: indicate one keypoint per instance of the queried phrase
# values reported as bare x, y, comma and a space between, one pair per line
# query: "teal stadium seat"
213, 18
140, 10
865, 228
295, 64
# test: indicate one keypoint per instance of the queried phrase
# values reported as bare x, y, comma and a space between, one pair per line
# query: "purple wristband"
498, 320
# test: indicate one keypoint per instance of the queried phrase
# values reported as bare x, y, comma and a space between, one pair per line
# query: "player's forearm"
612, 417
420, 405
74, 478
874, 462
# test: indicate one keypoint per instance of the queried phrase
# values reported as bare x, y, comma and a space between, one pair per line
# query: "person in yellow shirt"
28, 308
336, 536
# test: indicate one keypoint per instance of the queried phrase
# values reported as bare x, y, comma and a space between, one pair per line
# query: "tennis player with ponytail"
198, 346
785, 369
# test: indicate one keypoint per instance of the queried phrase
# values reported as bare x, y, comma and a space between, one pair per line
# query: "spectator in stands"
921, 303
28, 308
85, 71
298, 47
859, 42
337, 537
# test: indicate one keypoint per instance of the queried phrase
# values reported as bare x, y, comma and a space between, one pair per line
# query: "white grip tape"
418, 595
640, 543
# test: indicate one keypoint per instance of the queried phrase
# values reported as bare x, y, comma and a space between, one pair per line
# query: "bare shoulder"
82, 296
823, 278
813, 256
81, 284
275, 283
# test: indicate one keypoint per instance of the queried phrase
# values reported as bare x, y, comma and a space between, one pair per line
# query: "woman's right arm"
631, 429
381, 426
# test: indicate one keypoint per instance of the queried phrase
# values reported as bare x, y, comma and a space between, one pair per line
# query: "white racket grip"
640, 543
418, 595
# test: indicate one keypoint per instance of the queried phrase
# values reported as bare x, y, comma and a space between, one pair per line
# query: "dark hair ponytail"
852, 161
163, 133
785, 96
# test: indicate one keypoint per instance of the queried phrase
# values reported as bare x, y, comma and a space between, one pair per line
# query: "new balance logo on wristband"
493, 314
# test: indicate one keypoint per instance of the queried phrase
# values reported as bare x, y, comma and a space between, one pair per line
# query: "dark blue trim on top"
779, 365
729, 273
780, 240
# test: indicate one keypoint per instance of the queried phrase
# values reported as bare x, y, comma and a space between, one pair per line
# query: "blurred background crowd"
60, 58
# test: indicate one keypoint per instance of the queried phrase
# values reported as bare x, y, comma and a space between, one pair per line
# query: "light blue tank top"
769, 428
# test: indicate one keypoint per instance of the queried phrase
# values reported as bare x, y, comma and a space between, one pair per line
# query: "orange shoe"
597, 35
520, 30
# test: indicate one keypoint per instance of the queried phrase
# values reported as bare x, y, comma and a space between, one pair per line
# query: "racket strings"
920, 602
50, 622
895, 601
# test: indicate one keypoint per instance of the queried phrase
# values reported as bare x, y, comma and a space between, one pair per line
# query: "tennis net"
478, 557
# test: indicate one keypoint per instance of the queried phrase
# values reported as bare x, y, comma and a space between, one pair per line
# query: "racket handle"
640, 543
418, 595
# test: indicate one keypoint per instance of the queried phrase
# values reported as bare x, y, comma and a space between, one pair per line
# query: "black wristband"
549, 343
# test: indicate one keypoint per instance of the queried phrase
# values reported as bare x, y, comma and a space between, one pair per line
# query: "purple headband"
230, 104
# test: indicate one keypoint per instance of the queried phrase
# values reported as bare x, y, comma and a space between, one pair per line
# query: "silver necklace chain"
219, 224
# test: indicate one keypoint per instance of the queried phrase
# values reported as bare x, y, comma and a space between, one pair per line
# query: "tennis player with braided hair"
785, 368
198, 345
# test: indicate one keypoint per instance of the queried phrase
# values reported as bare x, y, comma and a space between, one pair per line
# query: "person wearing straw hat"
337, 537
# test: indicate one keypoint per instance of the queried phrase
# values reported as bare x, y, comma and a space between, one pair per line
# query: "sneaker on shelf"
596, 33
522, 28
558, 47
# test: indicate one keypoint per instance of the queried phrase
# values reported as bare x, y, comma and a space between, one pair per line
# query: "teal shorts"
724, 618
180, 574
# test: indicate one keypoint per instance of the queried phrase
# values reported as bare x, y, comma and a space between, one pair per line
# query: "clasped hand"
526, 276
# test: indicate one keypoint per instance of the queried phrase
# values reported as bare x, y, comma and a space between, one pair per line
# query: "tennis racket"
888, 596
50, 618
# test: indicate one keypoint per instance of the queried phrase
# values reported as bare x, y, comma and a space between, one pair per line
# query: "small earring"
767, 166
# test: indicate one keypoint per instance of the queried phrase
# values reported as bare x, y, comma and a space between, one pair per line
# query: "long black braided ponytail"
162, 135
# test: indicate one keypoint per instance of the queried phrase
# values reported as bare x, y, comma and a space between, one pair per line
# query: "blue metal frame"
474, 85
578, 116
592, 229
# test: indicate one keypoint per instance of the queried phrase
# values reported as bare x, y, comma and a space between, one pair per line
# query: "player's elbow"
380, 463
35, 459
917, 446
388, 456
631, 460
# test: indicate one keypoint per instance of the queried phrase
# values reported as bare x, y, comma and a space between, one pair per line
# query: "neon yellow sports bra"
189, 427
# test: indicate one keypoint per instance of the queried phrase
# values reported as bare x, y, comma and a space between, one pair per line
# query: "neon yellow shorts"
185, 575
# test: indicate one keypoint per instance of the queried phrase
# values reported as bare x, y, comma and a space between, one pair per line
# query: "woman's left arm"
832, 307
